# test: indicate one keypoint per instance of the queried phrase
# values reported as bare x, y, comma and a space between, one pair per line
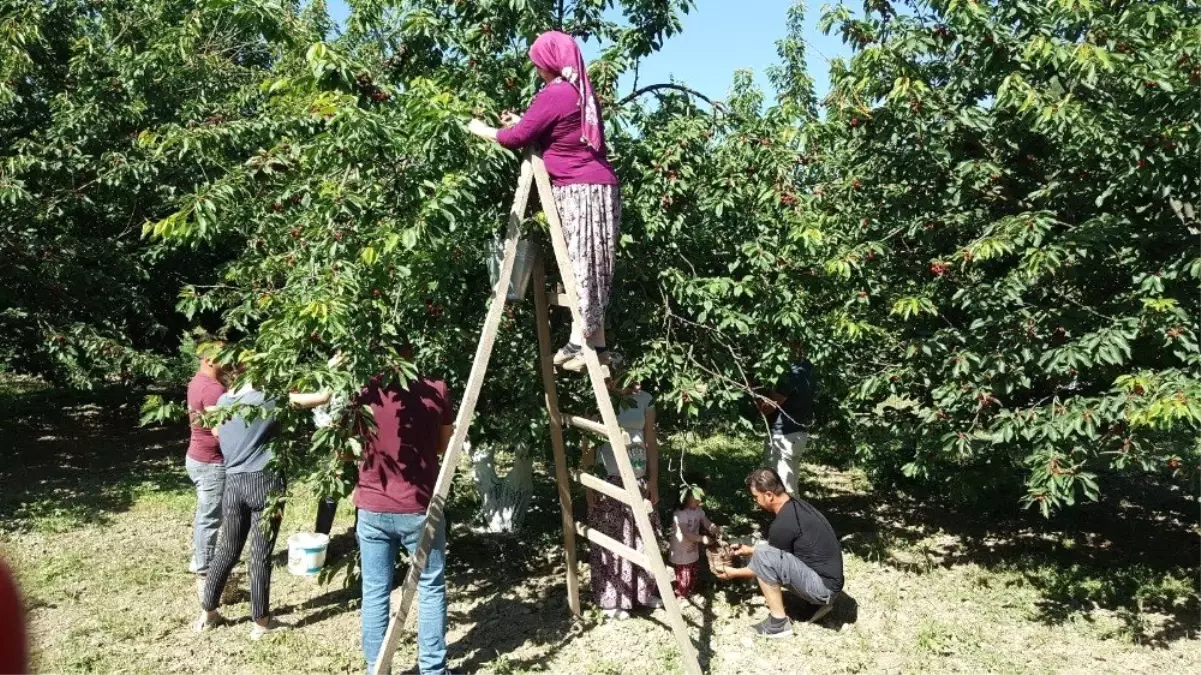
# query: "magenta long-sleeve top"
553, 122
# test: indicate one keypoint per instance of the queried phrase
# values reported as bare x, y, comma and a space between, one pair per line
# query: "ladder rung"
585, 424
613, 545
558, 300
611, 490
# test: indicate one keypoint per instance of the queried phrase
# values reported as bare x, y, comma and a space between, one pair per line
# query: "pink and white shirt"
688, 529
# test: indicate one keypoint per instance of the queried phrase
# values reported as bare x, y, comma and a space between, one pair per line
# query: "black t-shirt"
797, 386
803, 531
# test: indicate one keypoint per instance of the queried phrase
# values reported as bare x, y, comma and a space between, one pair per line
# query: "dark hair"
765, 480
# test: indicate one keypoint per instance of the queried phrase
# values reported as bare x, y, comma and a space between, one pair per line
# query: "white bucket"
306, 553
523, 266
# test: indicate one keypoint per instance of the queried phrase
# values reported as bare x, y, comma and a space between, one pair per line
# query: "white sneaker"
565, 354
616, 614
257, 632
655, 602
192, 569
577, 364
204, 623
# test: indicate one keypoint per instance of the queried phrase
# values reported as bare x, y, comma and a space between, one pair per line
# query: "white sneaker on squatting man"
257, 632
655, 602
206, 622
617, 614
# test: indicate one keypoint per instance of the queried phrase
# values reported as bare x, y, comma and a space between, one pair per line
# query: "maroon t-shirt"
203, 391
399, 465
14, 647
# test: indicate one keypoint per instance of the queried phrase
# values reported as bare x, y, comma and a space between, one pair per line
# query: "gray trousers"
789, 572
209, 480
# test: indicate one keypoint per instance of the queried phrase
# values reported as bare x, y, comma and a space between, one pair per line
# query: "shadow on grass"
77, 458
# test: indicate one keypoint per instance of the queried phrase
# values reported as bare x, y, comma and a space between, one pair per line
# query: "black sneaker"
773, 630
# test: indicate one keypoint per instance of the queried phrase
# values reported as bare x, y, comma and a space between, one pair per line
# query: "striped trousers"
246, 497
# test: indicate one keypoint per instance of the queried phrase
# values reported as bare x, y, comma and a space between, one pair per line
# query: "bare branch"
717, 105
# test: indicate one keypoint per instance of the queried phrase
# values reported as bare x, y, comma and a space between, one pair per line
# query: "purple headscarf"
558, 53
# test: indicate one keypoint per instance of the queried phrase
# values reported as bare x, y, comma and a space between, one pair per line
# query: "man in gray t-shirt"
243, 442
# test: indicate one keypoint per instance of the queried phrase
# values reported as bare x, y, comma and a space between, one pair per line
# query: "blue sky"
721, 36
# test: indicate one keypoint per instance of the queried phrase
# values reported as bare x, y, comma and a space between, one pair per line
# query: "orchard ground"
95, 517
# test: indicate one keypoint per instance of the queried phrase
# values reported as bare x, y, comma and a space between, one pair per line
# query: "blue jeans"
380, 537
209, 480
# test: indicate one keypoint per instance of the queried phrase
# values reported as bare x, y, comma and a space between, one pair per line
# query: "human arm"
544, 111
651, 439
448, 422
710, 530
308, 399
770, 401
444, 434
210, 400
742, 550
731, 573
210, 396
482, 130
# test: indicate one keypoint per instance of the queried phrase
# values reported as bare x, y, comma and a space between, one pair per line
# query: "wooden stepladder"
533, 171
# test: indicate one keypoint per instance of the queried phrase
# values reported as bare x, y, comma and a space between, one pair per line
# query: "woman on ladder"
564, 120
618, 585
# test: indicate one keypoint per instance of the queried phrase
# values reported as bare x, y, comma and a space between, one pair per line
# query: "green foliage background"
985, 234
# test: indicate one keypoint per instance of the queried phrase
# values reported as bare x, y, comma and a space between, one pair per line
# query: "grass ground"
95, 517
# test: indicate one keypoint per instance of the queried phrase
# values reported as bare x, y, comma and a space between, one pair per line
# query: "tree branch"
717, 105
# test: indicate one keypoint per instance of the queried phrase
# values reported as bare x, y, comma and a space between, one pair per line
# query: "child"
690, 522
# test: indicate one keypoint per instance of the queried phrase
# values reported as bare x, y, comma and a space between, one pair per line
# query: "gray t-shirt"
244, 444
631, 417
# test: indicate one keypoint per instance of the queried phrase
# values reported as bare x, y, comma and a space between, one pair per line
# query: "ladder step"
611, 490
613, 545
558, 300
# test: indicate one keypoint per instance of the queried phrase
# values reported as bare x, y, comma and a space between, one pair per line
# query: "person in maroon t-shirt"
14, 645
397, 471
206, 466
